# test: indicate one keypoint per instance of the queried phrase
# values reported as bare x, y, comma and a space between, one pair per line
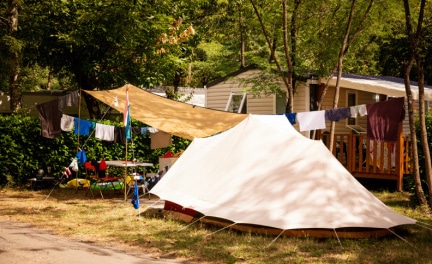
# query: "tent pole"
125, 171
78, 141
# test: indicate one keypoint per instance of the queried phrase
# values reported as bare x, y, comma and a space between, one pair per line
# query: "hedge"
24, 151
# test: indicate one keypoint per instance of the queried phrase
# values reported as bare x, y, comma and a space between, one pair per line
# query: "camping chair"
130, 182
152, 179
96, 173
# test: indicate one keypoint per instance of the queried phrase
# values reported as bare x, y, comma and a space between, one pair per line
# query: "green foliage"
24, 150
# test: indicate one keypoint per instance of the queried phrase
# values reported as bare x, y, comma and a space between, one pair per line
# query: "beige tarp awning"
180, 119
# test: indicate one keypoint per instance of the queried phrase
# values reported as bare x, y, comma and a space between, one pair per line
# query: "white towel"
311, 120
104, 132
353, 111
362, 110
67, 123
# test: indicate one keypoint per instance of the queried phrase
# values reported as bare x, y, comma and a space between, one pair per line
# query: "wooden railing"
366, 158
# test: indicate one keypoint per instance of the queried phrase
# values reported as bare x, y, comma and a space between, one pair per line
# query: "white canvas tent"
263, 172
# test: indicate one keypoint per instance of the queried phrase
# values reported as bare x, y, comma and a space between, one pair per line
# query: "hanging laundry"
291, 117
337, 114
120, 135
74, 164
354, 111
67, 123
81, 156
136, 130
160, 140
362, 110
50, 118
144, 130
311, 120
153, 130
71, 99
82, 127
135, 199
384, 118
104, 132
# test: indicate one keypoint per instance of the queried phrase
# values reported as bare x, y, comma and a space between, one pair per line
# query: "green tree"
11, 50
417, 56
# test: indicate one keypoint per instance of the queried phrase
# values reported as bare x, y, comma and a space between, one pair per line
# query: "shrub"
24, 151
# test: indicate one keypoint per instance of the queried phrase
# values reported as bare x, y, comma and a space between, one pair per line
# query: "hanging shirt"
311, 120
337, 114
67, 123
384, 118
50, 118
82, 127
120, 135
104, 132
71, 99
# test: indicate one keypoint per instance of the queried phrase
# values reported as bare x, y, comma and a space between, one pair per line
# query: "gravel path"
21, 243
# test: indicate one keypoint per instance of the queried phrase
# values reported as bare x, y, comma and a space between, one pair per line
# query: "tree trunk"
288, 58
415, 160
50, 79
344, 50
339, 70
414, 47
423, 129
242, 41
13, 56
287, 81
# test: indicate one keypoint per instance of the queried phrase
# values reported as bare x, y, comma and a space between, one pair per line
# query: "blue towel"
135, 198
81, 156
291, 117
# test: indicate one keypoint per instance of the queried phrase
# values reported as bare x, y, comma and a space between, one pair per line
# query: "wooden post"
399, 159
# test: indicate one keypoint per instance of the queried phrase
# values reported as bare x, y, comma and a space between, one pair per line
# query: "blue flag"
126, 116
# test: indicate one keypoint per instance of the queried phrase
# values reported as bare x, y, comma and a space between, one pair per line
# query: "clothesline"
53, 122
382, 118
112, 133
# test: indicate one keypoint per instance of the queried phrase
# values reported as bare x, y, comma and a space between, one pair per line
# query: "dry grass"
114, 222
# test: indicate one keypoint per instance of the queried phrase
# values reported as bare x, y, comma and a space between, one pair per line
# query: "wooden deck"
366, 158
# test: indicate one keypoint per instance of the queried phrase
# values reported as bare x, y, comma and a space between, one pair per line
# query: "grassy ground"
112, 221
